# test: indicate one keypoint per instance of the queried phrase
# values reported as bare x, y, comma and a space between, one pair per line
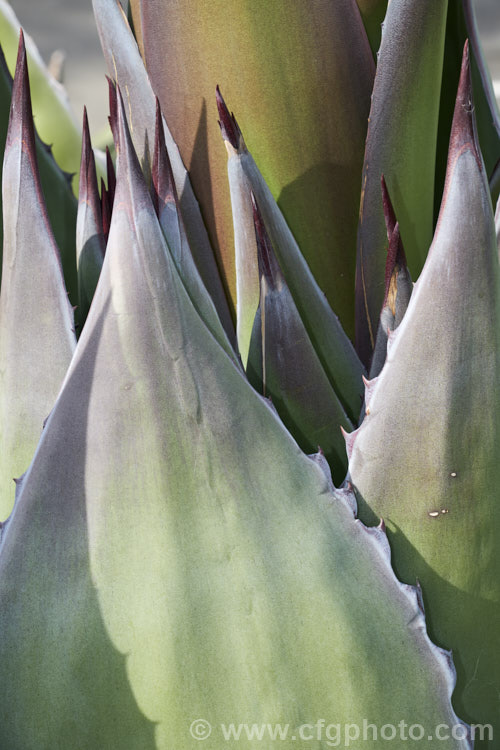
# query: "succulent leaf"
126, 68
486, 106
245, 246
111, 176
90, 240
36, 319
401, 145
398, 286
426, 456
51, 107
299, 76
284, 366
182, 527
168, 210
461, 24
333, 348
106, 210
61, 203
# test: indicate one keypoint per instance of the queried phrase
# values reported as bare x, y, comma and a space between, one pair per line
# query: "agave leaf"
106, 210
51, 105
62, 209
373, 14
284, 366
108, 194
245, 246
126, 68
401, 144
90, 241
56, 187
36, 319
299, 75
495, 182
334, 350
168, 209
197, 539
487, 113
398, 289
110, 176
398, 286
426, 455
461, 24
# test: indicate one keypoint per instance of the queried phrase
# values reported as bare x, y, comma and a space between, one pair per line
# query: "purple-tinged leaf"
426, 456
106, 210
389, 215
398, 285
401, 144
126, 68
227, 122
283, 365
90, 239
55, 120
163, 190
36, 319
56, 187
172, 553
398, 290
113, 109
111, 176
487, 113
461, 24
245, 247
333, 348
168, 210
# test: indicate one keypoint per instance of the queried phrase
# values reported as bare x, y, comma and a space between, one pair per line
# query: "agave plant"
196, 537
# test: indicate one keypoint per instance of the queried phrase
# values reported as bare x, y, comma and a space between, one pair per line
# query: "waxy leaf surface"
126, 68
172, 540
426, 456
398, 285
401, 145
36, 320
168, 209
485, 103
283, 365
334, 350
56, 188
90, 241
461, 24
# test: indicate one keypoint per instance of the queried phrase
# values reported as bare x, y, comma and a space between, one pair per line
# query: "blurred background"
68, 25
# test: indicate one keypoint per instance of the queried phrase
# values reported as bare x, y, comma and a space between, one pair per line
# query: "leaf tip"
113, 109
389, 214
163, 185
227, 122
21, 118
463, 130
